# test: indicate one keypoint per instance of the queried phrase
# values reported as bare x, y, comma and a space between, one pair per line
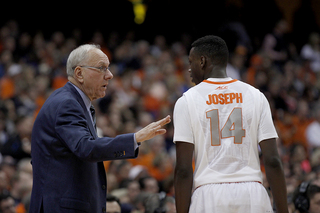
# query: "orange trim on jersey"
225, 82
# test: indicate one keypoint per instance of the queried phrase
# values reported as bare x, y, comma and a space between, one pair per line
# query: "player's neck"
216, 73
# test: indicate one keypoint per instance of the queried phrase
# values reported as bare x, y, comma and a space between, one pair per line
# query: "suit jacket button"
103, 187
104, 209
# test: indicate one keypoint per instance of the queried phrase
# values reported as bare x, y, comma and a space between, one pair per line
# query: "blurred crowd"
149, 76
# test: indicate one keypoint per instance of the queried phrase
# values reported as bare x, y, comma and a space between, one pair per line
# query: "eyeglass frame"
103, 69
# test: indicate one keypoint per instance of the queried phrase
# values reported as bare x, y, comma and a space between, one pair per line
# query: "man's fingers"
154, 129
164, 121
160, 132
161, 122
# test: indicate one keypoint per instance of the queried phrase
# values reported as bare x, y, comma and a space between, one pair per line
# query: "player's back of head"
213, 47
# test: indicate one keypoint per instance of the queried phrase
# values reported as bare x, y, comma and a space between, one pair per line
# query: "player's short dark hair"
212, 47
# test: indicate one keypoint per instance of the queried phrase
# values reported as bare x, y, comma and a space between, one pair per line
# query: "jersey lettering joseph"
225, 119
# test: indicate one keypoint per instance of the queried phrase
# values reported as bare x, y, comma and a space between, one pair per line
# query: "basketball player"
222, 121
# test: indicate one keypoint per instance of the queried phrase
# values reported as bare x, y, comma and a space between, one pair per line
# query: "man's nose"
108, 75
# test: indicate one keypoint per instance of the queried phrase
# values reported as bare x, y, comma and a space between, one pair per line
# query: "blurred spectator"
307, 198
8, 166
300, 164
275, 44
7, 82
19, 145
315, 161
113, 204
133, 190
285, 128
235, 66
112, 183
149, 185
3, 132
311, 51
24, 165
256, 65
301, 120
21, 186
146, 202
155, 159
122, 172
235, 34
7, 204
313, 131
4, 183
169, 205
158, 46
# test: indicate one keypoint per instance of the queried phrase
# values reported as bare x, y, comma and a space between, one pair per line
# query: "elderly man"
66, 152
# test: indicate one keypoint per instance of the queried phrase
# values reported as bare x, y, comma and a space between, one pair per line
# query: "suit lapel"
70, 87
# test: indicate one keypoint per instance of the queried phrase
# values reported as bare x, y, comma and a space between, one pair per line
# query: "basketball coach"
67, 154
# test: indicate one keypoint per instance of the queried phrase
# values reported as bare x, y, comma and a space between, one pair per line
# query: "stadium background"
195, 18
152, 77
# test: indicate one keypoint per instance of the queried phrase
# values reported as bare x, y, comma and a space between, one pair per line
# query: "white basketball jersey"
225, 119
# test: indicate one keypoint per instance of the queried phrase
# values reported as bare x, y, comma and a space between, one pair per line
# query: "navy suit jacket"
67, 155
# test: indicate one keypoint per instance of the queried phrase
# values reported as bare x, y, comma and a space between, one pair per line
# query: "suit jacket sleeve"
71, 127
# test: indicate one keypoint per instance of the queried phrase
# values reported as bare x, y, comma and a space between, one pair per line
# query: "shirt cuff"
135, 145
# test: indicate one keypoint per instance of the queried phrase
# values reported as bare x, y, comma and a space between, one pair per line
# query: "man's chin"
103, 94
100, 95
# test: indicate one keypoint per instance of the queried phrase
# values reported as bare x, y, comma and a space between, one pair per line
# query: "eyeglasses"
102, 69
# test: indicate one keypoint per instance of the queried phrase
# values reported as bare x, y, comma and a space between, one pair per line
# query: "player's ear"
202, 61
78, 74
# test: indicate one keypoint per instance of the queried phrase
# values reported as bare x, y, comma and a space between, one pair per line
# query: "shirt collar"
84, 97
219, 79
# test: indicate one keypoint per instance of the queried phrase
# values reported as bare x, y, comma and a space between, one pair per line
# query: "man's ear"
203, 61
78, 74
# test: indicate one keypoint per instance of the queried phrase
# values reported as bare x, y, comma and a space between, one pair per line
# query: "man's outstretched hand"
152, 130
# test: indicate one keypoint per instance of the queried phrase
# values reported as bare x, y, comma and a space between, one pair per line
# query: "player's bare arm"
274, 173
183, 176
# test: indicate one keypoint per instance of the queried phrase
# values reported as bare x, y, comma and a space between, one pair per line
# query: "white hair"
78, 55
